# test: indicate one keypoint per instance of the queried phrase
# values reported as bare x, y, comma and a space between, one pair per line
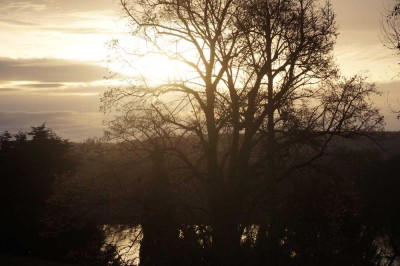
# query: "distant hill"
386, 143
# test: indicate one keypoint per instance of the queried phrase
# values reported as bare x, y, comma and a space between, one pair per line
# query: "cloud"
38, 102
71, 115
87, 5
49, 70
43, 85
17, 7
17, 22
6, 90
76, 30
80, 30
54, 89
365, 14
55, 5
76, 89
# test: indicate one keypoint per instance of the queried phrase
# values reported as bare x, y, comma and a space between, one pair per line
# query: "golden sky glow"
53, 54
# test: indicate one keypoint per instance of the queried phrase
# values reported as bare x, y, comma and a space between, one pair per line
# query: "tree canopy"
262, 99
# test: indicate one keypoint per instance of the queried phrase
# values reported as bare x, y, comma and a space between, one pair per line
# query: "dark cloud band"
49, 70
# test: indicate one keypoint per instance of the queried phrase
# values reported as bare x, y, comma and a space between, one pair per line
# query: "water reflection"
127, 241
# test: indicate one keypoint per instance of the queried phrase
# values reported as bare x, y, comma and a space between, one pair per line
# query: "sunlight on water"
127, 241
250, 234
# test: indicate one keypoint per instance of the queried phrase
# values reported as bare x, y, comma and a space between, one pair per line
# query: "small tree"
260, 100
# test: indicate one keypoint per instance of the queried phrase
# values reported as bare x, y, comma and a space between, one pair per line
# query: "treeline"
57, 197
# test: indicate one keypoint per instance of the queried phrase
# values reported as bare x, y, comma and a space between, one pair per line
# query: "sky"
54, 53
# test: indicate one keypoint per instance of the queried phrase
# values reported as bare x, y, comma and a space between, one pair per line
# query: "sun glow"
160, 69
150, 68
151, 62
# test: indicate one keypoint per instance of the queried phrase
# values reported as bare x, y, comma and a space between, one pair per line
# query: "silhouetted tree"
262, 99
30, 163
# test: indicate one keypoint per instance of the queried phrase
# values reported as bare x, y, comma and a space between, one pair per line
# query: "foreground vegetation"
342, 211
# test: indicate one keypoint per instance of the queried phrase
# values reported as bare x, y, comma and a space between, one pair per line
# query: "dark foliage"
29, 165
344, 211
30, 162
341, 210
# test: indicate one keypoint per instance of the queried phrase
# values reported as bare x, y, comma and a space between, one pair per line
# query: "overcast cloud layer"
53, 56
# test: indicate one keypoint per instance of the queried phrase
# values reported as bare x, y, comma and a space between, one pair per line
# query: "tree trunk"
226, 235
160, 232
